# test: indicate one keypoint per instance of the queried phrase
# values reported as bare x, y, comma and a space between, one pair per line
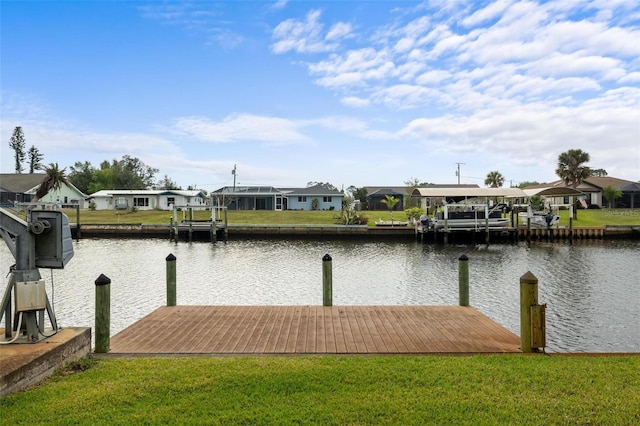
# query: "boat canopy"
494, 192
468, 192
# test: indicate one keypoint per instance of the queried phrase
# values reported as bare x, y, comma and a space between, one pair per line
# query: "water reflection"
592, 290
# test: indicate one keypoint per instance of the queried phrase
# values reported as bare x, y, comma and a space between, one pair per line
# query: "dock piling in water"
103, 313
463, 279
327, 281
171, 280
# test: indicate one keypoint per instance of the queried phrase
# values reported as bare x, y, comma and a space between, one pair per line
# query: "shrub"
414, 213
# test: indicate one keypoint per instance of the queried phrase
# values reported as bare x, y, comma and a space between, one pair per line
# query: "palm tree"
494, 179
53, 180
571, 169
611, 194
391, 202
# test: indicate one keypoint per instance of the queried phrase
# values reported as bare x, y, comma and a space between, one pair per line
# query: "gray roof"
20, 183
270, 190
387, 191
591, 184
408, 189
315, 190
248, 190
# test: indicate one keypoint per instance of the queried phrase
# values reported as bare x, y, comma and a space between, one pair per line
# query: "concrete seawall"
203, 232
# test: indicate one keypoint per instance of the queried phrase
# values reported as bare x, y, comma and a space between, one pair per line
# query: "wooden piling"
78, 222
327, 281
528, 298
103, 313
171, 280
463, 280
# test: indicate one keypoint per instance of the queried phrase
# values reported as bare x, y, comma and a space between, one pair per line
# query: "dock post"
486, 224
463, 279
327, 281
78, 222
528, 298
571, 224
171, 229
190, 224
103, 313
171, 280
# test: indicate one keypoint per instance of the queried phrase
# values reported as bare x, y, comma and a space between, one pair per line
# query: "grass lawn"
336, 390
297, 217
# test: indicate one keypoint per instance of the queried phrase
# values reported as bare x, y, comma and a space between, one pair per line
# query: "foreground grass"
297, 217
336, 390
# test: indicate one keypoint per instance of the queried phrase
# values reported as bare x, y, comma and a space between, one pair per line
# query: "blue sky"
346, 92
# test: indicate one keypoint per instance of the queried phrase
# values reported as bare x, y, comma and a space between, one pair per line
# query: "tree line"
131, 173
125, 173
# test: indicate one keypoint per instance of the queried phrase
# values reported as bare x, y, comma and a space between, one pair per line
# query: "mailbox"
52, 238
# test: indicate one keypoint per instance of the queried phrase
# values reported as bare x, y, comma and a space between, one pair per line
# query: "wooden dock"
251, 330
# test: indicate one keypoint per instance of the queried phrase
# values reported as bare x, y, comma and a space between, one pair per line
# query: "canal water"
592, 289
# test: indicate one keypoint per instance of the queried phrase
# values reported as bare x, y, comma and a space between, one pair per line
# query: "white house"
144, 199
22, 187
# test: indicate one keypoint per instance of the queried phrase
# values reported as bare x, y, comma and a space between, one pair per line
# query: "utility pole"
458, 172
233, 172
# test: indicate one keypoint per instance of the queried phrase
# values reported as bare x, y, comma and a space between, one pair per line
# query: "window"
171, 201
302, 199
141, 202
326, 199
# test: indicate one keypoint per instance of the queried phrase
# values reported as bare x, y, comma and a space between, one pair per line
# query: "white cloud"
492, 11
339, 31
307, 36
280, 4
241, 127
355, 102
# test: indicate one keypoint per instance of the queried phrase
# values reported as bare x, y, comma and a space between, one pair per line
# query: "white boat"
538, 219
467, 216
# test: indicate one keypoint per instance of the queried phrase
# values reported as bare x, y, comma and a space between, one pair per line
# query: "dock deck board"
314, 330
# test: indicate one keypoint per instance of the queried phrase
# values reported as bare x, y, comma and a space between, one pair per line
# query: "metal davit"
42, 241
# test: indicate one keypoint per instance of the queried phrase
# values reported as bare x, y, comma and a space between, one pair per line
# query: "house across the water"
317, 197
22, 187
592, 188
145, 199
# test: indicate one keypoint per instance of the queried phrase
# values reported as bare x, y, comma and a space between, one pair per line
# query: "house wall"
252, 203
166, 202
109, 203
295, 202
65, 195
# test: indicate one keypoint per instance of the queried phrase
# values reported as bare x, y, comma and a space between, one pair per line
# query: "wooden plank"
385, 333
315, 329
261, 330
349, 339
356, 332
278, 338
240, 333
335, 335
301, 337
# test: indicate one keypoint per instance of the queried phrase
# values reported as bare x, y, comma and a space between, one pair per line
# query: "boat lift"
43, 240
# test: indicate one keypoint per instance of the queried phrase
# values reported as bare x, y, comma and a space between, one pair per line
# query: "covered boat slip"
474, 210
444, 195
